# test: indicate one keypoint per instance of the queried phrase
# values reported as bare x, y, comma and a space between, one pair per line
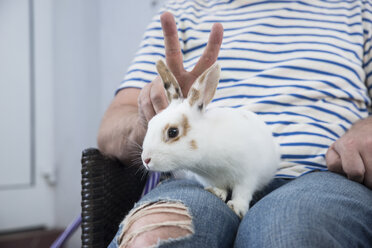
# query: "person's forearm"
121, 134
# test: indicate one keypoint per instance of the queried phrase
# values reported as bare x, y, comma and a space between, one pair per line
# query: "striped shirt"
304, 66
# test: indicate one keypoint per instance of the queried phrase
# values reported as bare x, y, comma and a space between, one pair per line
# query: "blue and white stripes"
304, 66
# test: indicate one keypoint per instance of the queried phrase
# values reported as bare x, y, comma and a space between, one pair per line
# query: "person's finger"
157, 95
333, 161
352, 163
211, 51
173, 54
367, 160
368, 178
145, 104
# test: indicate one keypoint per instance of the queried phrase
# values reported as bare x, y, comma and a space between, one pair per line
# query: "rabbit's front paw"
238, 208
220, 193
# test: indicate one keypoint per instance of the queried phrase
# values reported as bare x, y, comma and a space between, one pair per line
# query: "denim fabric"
320, 209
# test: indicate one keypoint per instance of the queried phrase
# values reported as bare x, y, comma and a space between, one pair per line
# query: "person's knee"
317, 210
153, 223
288, 223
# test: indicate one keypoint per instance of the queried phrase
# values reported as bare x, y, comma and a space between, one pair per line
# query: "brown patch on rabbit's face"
174, 132
165, 129
185, 124
193, 145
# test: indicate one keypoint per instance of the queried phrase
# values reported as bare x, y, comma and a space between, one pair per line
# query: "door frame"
37, 209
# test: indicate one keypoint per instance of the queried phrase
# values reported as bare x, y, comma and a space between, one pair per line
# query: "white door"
25, 197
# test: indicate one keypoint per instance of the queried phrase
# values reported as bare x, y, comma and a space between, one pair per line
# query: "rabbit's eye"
173, 132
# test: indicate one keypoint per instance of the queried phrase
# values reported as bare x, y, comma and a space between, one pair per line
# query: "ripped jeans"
319, 209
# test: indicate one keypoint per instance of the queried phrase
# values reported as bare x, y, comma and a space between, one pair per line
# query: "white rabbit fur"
227, 148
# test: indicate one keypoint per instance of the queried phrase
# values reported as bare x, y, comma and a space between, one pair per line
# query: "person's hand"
152, 98
151, 101
351, 154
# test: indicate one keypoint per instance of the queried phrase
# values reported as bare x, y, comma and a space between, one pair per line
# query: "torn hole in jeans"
165, 207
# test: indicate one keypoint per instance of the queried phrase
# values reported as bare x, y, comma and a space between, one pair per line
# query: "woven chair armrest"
109, 191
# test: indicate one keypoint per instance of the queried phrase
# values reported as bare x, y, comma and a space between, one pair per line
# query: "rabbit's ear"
204, 88
172, 88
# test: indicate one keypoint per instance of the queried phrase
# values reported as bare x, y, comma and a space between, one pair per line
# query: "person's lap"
213, 222
320, 209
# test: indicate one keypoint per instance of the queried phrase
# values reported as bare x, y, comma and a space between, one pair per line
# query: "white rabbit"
228, 148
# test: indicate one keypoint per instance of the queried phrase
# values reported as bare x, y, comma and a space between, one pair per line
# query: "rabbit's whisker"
135, 144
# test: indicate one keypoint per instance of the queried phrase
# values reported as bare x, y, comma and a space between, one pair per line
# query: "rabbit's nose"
147, 160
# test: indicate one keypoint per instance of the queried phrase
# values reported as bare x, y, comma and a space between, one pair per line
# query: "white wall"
122, 26
94, 42
26, 84
77, 99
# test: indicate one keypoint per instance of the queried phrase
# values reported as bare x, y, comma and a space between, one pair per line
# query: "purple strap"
151, 183
70, 229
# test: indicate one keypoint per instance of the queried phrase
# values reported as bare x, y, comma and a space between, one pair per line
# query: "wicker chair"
109, 191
